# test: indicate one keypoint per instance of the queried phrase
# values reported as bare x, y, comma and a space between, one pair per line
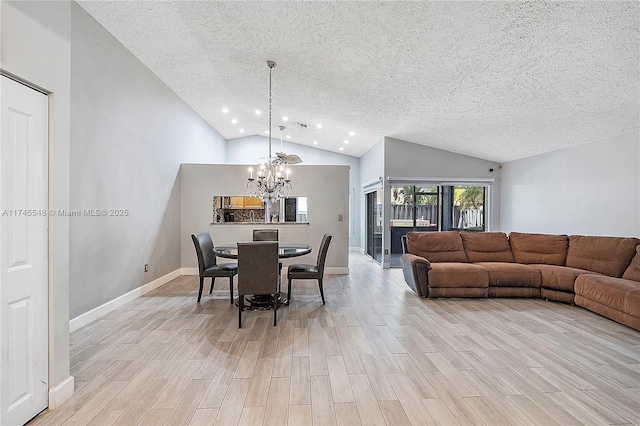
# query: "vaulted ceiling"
494, 80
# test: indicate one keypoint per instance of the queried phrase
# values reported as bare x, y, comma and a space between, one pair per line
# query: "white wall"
371, 169
591, 189
326, 186
130, 133
251, 150
36, 47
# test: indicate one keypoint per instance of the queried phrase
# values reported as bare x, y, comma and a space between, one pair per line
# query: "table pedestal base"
264, 302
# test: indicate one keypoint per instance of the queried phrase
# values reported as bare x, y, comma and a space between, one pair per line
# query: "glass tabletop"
285, 250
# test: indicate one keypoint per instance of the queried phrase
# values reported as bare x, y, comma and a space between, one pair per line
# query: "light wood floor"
375, 354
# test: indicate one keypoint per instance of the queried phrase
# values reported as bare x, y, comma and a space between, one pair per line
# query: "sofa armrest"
415, 270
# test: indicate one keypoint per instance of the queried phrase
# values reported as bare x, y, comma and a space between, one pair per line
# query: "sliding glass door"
374, 225
432, 208
413, 208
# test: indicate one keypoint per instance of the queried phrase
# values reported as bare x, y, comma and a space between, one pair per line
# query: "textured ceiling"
494, 80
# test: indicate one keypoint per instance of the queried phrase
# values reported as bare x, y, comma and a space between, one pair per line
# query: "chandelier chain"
270, 70
272, 180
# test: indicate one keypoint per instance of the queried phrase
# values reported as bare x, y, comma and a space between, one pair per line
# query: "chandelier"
272, 177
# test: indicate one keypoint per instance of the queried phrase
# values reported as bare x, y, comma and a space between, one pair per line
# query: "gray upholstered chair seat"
218, 270
305, 271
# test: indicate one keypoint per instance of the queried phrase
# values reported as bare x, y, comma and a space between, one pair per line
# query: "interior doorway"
374, 225
23, 252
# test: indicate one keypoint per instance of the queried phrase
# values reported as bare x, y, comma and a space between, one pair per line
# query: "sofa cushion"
514, 292
633, 271
539, 248
615, 293
557, 296
486, 247
436, 246
606, 255
511, 275
559, 278
457, 275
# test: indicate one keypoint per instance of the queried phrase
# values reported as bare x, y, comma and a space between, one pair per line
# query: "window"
463, 208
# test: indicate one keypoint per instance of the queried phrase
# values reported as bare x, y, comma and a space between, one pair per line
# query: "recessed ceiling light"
352, 133
319, 126
288, 137
346, 141
225, 110
266, 131
285, 118
315, 142
258, 112
241, 130
341, 149
234, 121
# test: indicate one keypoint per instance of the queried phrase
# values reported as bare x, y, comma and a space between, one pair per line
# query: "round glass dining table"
285, 251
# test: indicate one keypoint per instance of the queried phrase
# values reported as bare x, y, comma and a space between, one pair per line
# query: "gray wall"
404, 159
129, 134
326, 186
592, 189
249, 150
36, 47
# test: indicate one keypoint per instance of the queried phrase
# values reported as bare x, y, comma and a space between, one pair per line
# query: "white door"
23, 253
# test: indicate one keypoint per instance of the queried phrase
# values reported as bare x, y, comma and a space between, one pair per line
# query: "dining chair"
310, 272
257, 273
207, 265
265, 235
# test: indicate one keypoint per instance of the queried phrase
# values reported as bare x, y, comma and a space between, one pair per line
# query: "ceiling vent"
303, 126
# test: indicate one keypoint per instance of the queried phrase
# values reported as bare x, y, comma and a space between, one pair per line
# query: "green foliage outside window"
468, 197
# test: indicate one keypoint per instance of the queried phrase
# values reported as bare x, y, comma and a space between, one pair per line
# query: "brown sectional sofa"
601, 274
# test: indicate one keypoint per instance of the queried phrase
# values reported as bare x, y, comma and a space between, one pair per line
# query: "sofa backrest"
486, 247
606, 255
539, 248
633, 270
436, 246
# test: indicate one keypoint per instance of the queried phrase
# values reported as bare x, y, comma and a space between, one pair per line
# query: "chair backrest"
258, 267
204, 250
322, 252
265, 235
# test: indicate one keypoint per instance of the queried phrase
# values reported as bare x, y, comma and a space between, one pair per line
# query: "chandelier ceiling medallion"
272, 180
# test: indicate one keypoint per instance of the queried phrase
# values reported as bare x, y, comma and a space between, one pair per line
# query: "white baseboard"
189, 271
102, 310
60, 393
